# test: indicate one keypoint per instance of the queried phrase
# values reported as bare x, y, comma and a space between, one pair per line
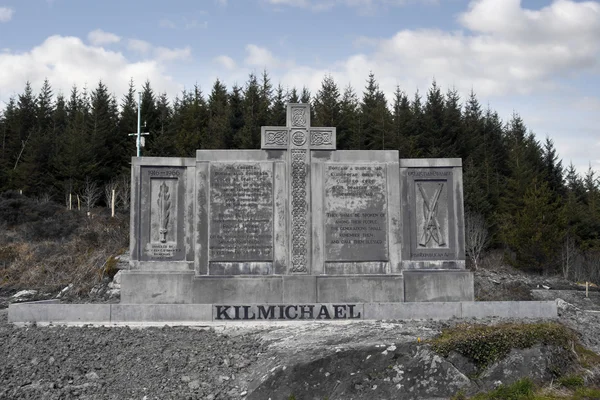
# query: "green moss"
586, 393
485, 344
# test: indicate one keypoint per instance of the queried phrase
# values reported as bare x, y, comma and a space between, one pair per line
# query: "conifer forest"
539, 213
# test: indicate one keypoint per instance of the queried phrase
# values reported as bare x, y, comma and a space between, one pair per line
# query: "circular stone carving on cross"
298, 138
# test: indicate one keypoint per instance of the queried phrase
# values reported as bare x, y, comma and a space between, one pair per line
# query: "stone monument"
296, 222
297, 230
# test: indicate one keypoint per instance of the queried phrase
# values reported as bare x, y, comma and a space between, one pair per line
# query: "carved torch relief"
164, 211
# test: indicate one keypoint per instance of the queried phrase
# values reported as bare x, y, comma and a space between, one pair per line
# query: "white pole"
139, 123
112, 204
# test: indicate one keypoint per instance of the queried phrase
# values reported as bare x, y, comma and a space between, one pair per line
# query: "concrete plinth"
438, 286
178, 314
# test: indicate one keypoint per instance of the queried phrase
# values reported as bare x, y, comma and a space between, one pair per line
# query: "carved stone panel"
274, 137
162, 222
241, 212
432, 221
355, 212
299, 211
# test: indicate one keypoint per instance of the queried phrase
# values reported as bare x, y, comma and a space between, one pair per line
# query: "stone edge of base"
122, 314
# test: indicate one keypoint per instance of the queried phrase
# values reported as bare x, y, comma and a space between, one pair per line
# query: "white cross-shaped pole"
139, 127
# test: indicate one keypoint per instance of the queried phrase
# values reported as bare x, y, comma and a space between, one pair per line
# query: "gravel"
60, 362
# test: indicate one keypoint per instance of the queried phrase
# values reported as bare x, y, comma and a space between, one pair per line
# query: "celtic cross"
299, 139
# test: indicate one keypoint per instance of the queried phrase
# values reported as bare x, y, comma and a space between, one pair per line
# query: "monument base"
46, 312
153, 287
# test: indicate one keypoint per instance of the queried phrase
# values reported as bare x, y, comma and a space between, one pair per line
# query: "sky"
538, 58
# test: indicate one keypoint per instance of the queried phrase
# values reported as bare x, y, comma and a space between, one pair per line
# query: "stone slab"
438, 310
430, 162
237, 290
438, 286
359, 289
149, 287
509, 309
48, 312
299, 289
199, 313
160, 312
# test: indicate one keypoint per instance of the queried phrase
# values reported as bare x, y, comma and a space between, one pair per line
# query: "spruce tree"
278, 108
218, 113
327, 104
348, 131
236, 116
400, 139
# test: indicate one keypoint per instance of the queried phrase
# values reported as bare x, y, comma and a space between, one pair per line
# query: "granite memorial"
295, 231
297, 222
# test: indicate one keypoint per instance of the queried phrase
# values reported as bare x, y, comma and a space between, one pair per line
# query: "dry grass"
50, 252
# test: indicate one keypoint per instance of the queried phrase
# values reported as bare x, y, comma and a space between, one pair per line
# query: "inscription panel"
432, 222
355, 212
162, 224
241, 212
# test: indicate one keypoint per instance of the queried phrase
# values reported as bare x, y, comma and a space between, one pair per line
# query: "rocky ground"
343, 360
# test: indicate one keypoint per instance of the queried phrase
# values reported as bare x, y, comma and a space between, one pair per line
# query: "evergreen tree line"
545, 216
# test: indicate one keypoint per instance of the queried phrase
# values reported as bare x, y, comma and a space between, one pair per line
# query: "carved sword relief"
431, 225
164, 211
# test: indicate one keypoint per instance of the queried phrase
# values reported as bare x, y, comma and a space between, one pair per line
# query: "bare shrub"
124, 192
111, 186
476, 237
568, 255
57, 262
91, 194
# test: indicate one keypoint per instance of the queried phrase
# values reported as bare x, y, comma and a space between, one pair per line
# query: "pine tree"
538, 230
278, 109
249, 136
327, 104
128, 119
452, 124
236, 116
401, 122
431, 140
376, 118
553, 169
218, 113
348, 129
293, 96
108, 145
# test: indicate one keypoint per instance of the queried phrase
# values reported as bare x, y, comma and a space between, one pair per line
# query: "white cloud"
185, 23
226, 62
263, 58
167, 23
66, 61
166, 54
139, 46
6, 14
514, 51
99, 37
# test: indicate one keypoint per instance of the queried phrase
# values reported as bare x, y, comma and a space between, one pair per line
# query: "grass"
525, 389
45, 247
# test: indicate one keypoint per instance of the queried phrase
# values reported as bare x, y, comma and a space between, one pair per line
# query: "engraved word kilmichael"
287, 312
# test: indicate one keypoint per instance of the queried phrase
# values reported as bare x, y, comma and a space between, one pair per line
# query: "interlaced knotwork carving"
277, 137
320, 138
299, 117
299, 211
